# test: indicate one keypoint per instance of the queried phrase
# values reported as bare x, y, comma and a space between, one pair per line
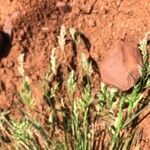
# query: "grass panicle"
25, 92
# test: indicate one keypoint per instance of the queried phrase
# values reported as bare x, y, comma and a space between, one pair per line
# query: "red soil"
36, 25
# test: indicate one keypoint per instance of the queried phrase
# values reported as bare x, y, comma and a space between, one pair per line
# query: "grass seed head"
53, 61
62, 37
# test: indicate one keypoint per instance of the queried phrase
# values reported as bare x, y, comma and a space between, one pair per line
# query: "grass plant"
74, 112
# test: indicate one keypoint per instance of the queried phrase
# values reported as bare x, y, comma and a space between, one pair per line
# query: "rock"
121, 66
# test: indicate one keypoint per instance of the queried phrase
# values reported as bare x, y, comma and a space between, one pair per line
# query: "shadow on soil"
6, 45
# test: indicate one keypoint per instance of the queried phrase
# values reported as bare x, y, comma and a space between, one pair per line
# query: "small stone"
118, 2
63, 7
76, 10
92, 23
21, 35
4, 62
121, 66
10, 65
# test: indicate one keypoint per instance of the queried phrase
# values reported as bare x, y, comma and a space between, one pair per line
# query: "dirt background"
35, 25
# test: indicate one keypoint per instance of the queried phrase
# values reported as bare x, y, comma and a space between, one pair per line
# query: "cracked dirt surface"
100, 21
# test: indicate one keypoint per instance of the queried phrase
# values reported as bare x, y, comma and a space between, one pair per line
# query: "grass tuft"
73, 115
